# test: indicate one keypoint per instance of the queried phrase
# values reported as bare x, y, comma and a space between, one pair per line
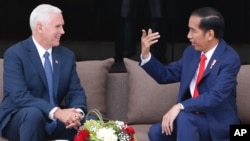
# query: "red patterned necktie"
200, 73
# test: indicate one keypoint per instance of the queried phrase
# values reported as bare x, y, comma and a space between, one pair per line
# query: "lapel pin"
213, 63
56, 61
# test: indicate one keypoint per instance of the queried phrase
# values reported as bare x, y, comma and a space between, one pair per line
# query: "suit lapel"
193, 67
215, 57
36, 61
56, 68
210, 65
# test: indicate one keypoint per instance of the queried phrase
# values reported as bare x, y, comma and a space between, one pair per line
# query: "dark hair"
211, 19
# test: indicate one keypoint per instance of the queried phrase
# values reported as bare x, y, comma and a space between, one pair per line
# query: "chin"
196, 48
57, 44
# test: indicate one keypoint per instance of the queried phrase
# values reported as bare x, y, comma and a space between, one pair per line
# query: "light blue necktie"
49, 75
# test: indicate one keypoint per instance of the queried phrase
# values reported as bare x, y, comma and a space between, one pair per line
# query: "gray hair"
42, 14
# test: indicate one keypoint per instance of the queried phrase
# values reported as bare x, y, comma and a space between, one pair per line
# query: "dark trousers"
28, 124
187, 127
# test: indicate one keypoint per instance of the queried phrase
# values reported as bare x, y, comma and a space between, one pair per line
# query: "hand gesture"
148, 39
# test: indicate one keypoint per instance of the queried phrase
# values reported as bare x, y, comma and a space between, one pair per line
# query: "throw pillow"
243, 96
93, 75
148, 101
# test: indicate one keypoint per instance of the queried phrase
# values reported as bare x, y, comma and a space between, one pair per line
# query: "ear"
39, 27
210, 34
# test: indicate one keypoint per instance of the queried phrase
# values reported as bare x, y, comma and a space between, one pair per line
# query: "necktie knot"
47, 63
203, 58
46, 54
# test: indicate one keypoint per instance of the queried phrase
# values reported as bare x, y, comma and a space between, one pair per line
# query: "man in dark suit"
207, 116
27, 109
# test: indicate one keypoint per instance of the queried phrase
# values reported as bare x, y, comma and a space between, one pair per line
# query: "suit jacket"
217, 88
25, 82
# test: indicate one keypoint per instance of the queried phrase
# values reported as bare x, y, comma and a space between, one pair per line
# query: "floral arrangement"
98, 130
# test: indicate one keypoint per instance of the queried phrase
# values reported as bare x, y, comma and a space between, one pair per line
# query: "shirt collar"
40, 49
210, 52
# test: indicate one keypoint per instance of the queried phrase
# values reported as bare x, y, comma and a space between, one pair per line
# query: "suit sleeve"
16, 89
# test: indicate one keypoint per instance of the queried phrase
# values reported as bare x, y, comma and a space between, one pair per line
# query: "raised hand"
147, 40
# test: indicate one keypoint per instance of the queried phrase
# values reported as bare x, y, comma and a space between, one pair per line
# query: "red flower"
78, 138
130, 130
82, 135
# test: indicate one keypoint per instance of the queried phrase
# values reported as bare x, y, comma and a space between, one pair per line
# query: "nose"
62, 31
189, 36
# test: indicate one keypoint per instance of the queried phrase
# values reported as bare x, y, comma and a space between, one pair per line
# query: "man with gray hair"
38, 75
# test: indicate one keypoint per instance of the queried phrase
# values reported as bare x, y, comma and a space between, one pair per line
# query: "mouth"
58, 37
191, 42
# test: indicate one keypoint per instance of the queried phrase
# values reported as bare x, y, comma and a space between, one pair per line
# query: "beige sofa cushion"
93, 75
243, 95
148, 101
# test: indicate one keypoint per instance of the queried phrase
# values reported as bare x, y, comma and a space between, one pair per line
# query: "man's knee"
185, 118
154, 131
32, 115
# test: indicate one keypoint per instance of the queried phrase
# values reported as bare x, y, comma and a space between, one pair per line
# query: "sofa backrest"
117, 96
243, 94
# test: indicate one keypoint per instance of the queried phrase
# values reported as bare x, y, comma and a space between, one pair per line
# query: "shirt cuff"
80, 110
52, 112
182, 107
144, 61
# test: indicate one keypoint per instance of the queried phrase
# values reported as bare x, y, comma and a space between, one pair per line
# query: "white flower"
106, 134
120, 124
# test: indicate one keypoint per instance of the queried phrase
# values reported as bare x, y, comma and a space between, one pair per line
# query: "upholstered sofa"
135, 97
